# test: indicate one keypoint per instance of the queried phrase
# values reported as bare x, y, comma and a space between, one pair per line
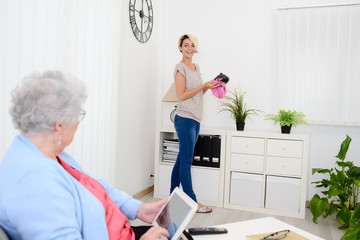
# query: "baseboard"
144, 192
151, 188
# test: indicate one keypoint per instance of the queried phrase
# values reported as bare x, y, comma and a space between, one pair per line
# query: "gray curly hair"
42, 99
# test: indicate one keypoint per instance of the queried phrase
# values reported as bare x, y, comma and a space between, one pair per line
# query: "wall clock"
141, 19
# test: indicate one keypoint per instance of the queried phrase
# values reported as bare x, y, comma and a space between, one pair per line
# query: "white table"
239, 230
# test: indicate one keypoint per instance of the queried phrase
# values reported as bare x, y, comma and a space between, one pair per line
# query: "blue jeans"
187, 131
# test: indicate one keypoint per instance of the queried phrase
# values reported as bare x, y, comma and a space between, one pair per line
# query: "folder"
215, 151
198, 152
206, 150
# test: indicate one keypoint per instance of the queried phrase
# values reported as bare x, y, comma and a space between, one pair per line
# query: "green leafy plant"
341, 193
235, 104
287, 118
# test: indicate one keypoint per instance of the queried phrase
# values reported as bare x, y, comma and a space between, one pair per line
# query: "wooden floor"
326, 228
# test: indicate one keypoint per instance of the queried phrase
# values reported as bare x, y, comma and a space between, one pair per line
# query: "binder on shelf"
170, 150
174, 143
206, 150
169, 156
215, 151
198, 152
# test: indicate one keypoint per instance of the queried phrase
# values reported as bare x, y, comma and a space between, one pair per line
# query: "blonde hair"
191, 37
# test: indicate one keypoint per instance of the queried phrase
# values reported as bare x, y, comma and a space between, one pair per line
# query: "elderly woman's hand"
148, 211
155, 233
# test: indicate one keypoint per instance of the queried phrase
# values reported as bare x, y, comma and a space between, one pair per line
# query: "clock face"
141, 19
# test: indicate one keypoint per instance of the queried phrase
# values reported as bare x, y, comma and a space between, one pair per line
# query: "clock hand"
142, 14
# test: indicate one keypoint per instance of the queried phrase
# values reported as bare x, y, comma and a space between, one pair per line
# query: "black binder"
215, 151
206, 150
198, 152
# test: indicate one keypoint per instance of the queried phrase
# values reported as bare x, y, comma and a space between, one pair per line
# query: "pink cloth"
116, 221
220, 91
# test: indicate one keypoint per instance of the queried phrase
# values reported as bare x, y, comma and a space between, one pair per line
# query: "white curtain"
81, 37
319, 63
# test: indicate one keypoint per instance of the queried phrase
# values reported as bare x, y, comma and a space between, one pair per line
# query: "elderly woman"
44, 193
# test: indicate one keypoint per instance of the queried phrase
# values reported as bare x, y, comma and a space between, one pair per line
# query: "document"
290, 236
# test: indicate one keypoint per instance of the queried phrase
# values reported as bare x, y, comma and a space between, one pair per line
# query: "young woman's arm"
183, 94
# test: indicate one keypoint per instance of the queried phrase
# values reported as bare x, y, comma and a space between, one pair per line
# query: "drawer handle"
284, 149
282, 166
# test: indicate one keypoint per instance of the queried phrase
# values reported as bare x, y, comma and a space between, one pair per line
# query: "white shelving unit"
208, 182
266, 173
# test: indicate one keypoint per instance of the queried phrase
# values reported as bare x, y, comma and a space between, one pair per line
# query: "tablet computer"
176, 213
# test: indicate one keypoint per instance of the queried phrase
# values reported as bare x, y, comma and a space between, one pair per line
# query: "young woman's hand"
211, 84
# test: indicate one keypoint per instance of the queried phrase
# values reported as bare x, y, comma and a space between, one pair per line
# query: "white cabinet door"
246, 189
164, 179
283, 193
205, 182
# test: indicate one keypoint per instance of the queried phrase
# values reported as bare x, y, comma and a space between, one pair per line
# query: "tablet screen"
176, 214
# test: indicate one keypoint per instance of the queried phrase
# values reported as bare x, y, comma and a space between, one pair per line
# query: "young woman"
189, 91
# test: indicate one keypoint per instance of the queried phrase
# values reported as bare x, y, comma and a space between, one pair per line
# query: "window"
319, 63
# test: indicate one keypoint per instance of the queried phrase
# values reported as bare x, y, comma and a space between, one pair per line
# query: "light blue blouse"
41, 200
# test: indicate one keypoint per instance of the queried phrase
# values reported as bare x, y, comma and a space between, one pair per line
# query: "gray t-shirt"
193, 106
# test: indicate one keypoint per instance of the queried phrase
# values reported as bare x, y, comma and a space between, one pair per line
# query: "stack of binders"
170, 150
207, 151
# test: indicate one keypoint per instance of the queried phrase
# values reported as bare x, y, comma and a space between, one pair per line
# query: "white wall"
237, 38
137, 100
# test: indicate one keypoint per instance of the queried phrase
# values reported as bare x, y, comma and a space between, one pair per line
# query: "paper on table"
290, 236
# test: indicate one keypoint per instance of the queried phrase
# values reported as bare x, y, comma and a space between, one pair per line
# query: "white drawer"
281, 165
247, 189
243, 162
284, 148
206, 183
248, 145
283, 193
165, 176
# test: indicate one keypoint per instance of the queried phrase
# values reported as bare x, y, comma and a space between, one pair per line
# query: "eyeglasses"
82, 114
276, 235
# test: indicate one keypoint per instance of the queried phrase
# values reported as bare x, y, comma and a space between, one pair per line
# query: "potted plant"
235, 104
341, 193
287, 119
